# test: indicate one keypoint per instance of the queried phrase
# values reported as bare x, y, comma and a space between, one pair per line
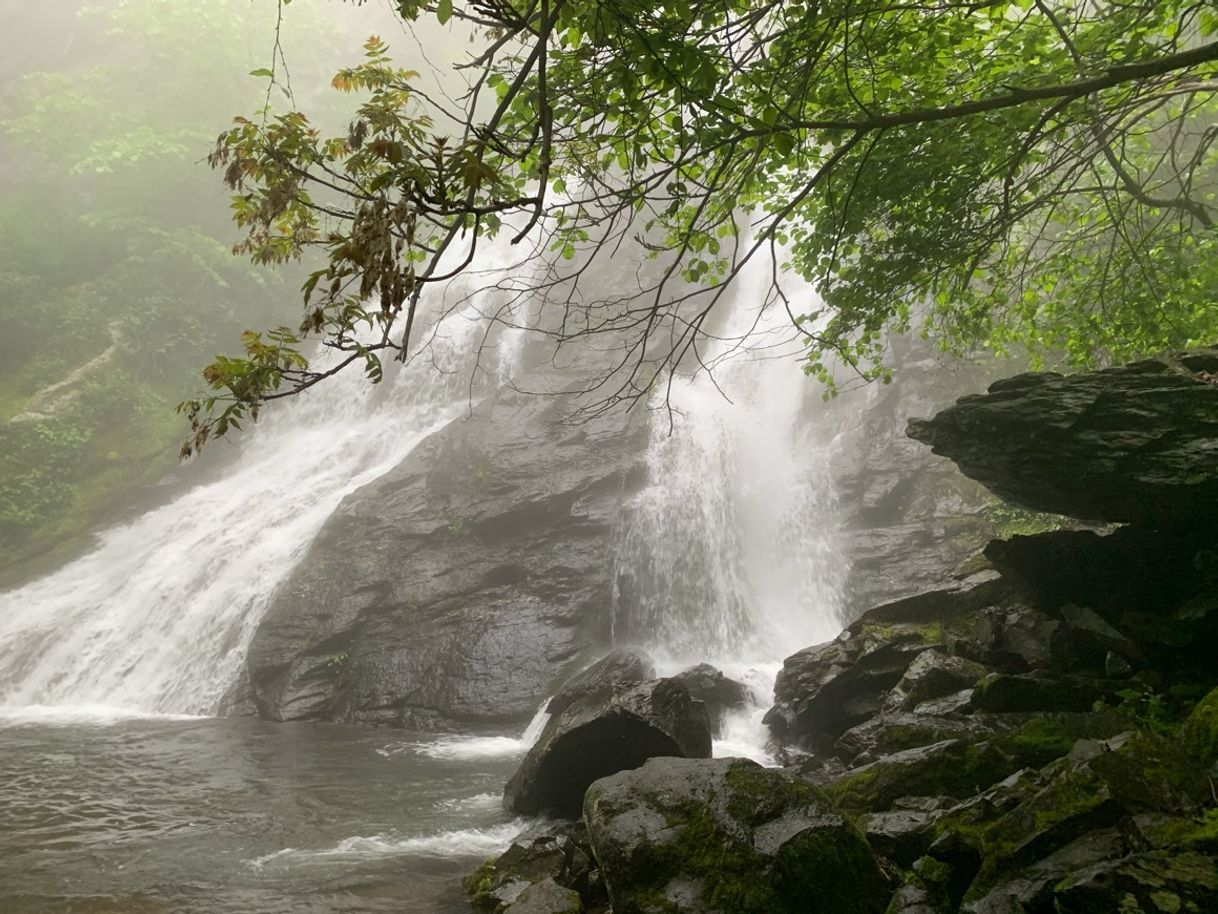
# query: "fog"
117, 281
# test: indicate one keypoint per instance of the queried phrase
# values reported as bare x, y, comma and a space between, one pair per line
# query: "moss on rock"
951, 768
728, 836
1200, 732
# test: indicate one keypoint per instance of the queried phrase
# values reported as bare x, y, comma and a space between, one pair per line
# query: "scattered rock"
933, 674
825, 690
599, 735
1171, 882
1095, 787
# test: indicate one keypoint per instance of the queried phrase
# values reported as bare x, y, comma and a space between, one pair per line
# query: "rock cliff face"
461, 585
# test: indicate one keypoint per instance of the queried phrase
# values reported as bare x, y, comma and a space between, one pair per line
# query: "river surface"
217, 816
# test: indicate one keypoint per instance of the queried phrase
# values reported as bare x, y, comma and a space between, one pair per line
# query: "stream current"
239, 816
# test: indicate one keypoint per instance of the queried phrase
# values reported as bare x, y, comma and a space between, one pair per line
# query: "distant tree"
1031, 174
116, 274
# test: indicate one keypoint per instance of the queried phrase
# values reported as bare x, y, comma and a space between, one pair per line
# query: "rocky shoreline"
1038, 734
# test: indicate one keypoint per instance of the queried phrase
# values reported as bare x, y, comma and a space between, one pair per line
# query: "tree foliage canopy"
1032, 174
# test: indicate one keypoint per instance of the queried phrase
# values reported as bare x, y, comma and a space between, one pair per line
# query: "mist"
117, 283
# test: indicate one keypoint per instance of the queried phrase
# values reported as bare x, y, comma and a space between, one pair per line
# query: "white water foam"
479, 802
80, 715
465, 748
461, 842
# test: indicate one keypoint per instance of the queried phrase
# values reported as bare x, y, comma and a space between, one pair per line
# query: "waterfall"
731, 553
158, 617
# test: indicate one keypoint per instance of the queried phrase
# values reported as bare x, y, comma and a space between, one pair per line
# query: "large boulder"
729, 837
1138, 443
599, 735
464, 584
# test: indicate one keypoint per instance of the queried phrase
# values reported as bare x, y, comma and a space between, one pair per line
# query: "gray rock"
911, 899
708, 685
1134, 444
1016, 639
599, 735
547, 897
933, 674
907, 516
901, 835
463, 585
624, 665
727, 836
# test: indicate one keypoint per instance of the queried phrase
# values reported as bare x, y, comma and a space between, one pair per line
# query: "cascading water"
731, 553
157, 619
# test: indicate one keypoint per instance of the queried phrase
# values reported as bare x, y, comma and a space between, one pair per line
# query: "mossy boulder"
1200, 732
557, 854
1098, 785
889, 733
953, 768
1157, 882
1035, 740
684, 836
1036, 692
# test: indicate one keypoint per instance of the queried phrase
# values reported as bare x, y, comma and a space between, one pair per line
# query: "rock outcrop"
600, 734
1134, 444
464, 584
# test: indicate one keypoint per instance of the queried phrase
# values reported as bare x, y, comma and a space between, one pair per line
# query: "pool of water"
99, 814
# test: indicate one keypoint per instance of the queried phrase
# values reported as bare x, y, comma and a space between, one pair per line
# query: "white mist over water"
158, 618
731, 554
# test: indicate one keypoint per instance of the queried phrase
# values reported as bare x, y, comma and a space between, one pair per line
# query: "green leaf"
444, 11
